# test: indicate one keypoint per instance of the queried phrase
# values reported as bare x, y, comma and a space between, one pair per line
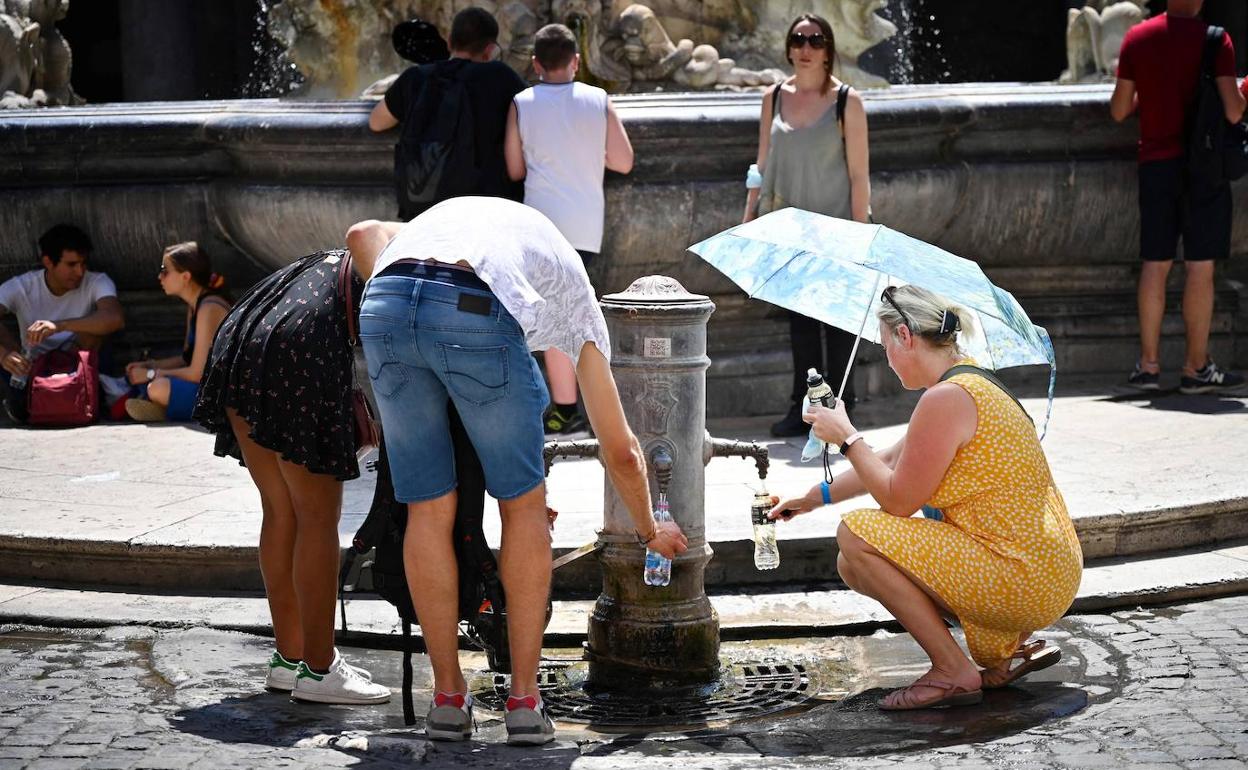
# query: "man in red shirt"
1158, 72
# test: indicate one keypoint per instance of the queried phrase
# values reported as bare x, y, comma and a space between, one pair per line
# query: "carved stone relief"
1094, 36
35, 60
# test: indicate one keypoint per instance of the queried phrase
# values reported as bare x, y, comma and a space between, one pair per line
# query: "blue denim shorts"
430, 335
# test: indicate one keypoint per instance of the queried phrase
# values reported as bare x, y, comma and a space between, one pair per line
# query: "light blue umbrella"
833, 270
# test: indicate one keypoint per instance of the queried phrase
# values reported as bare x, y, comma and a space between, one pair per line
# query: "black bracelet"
640, 541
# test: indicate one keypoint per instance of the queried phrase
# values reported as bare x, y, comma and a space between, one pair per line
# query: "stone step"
784, 612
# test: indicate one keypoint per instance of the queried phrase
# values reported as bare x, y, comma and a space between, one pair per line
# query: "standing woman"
812, 155
278, 389
165, 389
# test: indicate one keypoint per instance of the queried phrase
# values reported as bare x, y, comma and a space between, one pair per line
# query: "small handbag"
363, 423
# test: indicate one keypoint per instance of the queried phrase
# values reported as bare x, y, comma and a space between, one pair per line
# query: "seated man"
453, 310
61, 304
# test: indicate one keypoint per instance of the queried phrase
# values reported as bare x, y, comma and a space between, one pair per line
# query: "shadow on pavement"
1174, 401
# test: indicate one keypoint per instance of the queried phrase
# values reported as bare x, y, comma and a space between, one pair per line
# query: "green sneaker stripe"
277, 661
307, 673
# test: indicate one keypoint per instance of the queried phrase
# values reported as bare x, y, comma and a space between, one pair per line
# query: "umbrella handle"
853, 353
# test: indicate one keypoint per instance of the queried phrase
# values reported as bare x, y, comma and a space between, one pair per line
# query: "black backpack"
436, 155
1217, 151
374, 562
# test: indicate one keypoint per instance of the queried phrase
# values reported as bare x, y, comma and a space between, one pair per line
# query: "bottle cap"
813, 377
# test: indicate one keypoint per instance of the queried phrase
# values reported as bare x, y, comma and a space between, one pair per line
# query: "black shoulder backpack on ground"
375, 559
1217, 150
436, 156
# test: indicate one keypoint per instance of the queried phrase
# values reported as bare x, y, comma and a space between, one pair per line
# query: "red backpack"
64, 389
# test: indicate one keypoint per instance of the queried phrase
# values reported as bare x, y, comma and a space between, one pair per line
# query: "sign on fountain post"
642, 635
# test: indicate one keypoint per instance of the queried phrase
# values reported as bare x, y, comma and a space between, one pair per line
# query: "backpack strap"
842, 96
775, 100
1213, 43
987, 375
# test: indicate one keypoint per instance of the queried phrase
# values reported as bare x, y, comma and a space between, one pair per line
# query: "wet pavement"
1161, 688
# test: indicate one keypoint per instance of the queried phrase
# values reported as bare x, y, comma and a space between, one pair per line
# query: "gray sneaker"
450, 717
527, 722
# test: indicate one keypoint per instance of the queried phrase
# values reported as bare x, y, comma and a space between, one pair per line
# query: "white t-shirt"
27, 297
563, 128
521, 256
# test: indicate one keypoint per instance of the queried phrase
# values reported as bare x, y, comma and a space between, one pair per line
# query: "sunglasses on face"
817, 41
164, 270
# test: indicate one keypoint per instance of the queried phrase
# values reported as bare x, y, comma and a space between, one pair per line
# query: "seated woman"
1003, 561
166, 388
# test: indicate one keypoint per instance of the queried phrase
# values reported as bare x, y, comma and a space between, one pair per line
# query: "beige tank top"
806, 167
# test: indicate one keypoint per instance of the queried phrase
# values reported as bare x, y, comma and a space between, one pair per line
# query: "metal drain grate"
745, 690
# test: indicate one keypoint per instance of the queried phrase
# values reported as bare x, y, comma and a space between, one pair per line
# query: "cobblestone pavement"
1146, 688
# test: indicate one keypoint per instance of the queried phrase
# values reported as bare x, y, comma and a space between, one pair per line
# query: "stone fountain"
1033, 181
342, 47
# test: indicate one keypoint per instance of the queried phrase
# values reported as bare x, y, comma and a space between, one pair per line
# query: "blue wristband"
826, 491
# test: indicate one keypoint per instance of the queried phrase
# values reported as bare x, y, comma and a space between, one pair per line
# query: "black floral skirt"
281, 359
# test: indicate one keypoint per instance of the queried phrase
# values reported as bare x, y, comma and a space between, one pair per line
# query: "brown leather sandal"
951, 695
1035, 656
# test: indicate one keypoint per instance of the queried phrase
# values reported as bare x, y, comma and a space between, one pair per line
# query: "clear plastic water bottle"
766, 549
658, 570
818, 393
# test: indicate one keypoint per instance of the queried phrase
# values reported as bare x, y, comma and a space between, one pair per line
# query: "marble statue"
35, 60
342, 46
1094, 36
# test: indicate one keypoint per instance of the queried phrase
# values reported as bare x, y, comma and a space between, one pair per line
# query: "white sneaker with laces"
281, 676
342, 684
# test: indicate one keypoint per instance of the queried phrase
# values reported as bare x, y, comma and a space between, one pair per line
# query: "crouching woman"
1003, 560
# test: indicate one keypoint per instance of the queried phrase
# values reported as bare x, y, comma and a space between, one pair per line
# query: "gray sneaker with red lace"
527, 722
450, 717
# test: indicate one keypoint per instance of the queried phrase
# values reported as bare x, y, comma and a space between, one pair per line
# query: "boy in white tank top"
561, 135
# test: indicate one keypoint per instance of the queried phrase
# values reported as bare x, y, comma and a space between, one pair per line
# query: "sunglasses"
164, 271
887, 296
817, 41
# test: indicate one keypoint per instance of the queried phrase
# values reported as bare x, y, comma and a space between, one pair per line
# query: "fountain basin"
1035, 182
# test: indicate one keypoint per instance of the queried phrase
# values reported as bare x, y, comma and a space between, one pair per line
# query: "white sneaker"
281, 676
450, 717
343, 684
527, 722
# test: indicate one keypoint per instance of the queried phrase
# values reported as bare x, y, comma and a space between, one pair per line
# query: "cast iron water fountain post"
649, 636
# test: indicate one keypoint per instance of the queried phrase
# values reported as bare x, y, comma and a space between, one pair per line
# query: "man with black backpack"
1160, 72
452, 116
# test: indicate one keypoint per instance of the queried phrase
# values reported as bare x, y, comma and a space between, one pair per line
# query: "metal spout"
661, 461
723, 447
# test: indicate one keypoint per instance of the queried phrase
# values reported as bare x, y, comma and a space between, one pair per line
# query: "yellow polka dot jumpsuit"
1005, 559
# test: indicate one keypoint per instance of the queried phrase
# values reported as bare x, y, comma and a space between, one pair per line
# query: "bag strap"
775, 99
987, 375
1213, 42
345, 293
409, 711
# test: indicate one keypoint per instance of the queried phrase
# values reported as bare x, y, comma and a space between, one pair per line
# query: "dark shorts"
1170, 207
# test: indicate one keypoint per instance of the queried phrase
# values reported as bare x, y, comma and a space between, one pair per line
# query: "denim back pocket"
385, 371
476, 374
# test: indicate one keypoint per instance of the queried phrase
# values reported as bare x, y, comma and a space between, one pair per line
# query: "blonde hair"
923, 312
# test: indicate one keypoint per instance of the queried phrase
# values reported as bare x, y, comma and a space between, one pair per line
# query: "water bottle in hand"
766, 549
658, 570
818, 393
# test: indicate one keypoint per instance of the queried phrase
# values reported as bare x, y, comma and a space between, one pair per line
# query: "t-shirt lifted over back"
1162, 56
492, 85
